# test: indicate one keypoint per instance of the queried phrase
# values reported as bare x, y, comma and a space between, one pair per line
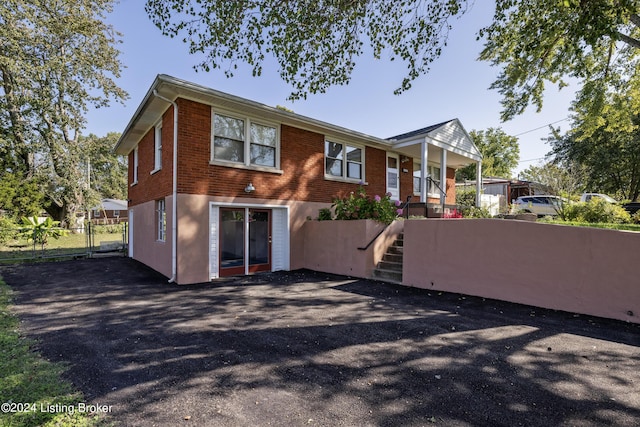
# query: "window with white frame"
161, 220
433, 172
230, 137
344, 160
157, 148
135, 166
263, 140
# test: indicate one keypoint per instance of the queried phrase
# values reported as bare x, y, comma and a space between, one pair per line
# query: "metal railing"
443, 194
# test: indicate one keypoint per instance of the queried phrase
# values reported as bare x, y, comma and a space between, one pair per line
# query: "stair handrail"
442, 192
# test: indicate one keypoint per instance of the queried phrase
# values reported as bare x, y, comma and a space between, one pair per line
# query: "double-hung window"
161, 220
135, 166
343, 160
262, 141
242, 141
433, 172
434, 182
157, 148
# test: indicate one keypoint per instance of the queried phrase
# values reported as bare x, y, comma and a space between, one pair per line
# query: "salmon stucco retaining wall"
576, 269
332, 246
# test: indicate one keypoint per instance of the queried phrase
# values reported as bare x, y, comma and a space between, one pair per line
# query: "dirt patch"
305, 348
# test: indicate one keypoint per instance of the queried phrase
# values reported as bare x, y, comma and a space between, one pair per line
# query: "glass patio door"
245, 241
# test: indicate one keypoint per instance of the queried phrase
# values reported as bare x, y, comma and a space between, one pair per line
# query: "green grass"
72, 244
622, 227
26, 378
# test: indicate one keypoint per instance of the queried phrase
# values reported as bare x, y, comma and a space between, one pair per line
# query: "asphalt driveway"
303, 348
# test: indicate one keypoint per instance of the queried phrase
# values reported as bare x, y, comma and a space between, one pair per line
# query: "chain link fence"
20, 244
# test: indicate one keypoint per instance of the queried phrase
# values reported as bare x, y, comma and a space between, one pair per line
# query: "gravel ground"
304, 348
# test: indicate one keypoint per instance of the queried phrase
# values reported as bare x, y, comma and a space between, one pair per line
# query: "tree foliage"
315, 43
550, 41
108, 171
56, 59
610, 158
500, 154
562, 178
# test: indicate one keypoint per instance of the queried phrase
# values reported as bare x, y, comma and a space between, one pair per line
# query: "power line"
543, 126
533, 160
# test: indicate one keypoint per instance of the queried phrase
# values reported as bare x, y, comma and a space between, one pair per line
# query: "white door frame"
395, 192
280, 241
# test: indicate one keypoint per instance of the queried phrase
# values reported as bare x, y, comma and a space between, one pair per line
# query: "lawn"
622, 227
32, 391
16, 248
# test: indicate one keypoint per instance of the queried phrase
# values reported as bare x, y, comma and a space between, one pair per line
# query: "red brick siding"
158, 185
406, 179
451, 186
301, 160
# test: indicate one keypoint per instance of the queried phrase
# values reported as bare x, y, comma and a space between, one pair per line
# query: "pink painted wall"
332, 246
575, 269
147, 249
193, 232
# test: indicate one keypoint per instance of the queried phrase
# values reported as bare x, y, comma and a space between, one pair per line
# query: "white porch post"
424, 151
443, 176
478, 183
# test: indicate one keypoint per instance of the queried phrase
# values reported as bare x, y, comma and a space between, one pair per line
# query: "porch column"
478, 183
424, 151
443, 176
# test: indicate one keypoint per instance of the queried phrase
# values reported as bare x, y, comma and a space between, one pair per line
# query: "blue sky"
456, 86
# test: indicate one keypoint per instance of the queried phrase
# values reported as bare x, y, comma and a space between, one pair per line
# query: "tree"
611, 159
108, 170
56, 58
20, 197
500, 154
561, 178
548, 41
315, 43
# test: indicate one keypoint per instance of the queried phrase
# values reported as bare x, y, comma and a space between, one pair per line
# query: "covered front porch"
432, 155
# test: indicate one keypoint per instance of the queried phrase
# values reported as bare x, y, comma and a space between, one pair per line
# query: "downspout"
174, 207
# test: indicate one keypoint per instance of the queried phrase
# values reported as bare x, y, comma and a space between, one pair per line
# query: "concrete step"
395, 250
387, 275
392, 257
389, 265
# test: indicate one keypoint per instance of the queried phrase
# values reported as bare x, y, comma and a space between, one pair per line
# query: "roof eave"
173, 88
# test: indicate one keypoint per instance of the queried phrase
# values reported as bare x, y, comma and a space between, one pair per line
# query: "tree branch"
628, 40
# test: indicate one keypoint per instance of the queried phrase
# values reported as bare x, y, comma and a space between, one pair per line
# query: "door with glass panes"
245, 241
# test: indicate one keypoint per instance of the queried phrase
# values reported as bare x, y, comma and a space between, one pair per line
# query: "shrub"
107, 229
466, 197
325, 215
40, 231
359, 206
8, 230
595, 211
475, 212
636, 217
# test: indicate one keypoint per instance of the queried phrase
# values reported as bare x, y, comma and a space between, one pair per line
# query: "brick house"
247, 176
109, 211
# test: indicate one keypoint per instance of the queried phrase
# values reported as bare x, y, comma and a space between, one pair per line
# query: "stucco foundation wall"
147, 249
575, 269
193, 231
332, 246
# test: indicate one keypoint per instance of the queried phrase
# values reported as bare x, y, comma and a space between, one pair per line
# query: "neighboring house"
224, 186
110, 211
